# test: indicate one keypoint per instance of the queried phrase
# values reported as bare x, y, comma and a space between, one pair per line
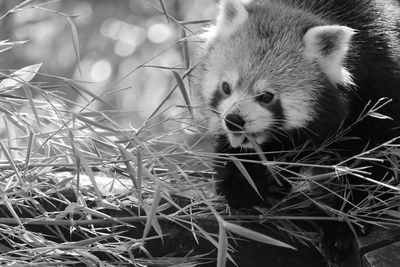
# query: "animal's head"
271, 69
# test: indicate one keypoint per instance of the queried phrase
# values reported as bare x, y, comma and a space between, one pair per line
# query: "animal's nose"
234, 122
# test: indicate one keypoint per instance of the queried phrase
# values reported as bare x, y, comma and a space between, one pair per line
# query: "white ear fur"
232, 14
328, 45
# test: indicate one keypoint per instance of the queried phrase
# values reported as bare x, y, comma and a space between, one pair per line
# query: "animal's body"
277, 75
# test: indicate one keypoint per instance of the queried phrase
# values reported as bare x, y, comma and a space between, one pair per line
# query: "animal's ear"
328, 45
232, 13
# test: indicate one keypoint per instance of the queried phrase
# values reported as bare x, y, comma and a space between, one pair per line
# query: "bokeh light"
159, 33
100, 71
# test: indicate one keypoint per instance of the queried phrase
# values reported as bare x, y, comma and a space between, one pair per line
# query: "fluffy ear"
232, 14
328, 46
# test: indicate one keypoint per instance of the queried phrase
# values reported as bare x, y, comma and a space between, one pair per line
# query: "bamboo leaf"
92, 212
107, 205
165, 11
10, 207
393, 213
250, 234
139, 171
29, 152
28, 94
246, 175
222, 246
151, 214
87, 242
75, 41
21, 76
184, 92
10, 160
127, 158
90, 93
380, 116
185, 47
5, 45
33, 240
160, 105
96, 124
260, 153
89, 172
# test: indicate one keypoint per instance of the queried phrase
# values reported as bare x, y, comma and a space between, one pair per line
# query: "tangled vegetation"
77, 188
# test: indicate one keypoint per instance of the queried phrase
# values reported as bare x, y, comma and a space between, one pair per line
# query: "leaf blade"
75, 41
21, 76
245, 173
250, 234
184, 92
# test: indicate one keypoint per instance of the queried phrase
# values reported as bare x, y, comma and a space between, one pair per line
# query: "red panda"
276, 75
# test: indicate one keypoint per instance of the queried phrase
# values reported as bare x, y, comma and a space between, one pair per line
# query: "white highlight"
331, 64
101, 71
297, 108
159, 33
232, 14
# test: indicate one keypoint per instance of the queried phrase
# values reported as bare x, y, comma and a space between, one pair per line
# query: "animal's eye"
266, 97
226, 88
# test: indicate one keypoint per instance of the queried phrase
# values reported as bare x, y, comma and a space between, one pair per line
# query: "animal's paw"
237, 190
238, 194
337, 242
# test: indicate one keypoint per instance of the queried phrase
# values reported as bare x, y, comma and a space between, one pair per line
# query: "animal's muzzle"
234, 123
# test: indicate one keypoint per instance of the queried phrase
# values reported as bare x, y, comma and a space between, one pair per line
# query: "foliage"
80, 185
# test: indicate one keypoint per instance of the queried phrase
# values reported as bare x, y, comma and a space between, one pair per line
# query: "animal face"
269, 70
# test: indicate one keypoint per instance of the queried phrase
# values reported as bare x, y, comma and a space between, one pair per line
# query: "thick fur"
323, 62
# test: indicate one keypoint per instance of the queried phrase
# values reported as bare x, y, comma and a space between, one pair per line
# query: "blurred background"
113, 38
